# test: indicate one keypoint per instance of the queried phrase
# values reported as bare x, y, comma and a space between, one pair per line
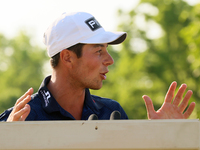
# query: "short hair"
77, 49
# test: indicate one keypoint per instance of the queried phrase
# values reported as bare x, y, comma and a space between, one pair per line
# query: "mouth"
103, 75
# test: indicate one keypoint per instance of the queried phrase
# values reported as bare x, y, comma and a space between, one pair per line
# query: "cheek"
92, 66
89, 64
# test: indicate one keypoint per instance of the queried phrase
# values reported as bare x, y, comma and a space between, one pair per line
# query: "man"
77, 45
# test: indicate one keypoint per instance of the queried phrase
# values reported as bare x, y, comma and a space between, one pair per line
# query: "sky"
35, 16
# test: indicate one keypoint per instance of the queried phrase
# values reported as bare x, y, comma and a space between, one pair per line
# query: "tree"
21, 67
149, 62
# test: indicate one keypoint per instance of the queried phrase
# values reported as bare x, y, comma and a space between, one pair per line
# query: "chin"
96, 87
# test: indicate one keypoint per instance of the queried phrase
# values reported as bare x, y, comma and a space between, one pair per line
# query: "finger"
149, 106
179, 94
21, 102
189, 111
170, 93
21, 105
185, 101
18, 114
29, 92
25, 115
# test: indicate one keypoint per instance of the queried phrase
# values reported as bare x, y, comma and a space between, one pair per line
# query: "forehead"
104, 45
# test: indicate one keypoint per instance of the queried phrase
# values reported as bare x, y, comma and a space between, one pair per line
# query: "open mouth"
103, 76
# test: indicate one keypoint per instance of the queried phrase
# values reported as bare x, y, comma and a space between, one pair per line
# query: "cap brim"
106, 37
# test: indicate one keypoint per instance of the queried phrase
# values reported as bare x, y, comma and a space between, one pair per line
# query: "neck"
69, 97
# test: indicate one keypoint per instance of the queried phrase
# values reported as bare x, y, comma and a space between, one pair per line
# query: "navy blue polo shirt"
45, 107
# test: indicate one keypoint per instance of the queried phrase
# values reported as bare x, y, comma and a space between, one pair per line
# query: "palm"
171, 108
168, 111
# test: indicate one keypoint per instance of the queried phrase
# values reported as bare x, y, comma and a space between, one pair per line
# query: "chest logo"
46, 96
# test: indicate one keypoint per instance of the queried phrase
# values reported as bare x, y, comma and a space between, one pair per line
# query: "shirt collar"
50, 105
48, 101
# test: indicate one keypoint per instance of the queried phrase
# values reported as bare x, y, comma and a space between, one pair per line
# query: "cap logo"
93, 24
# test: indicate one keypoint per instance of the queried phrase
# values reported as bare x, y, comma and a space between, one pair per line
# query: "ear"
66, 57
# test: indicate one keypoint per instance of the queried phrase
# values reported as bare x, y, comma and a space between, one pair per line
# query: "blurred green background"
162, 46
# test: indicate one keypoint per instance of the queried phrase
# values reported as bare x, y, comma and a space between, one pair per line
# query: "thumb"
149, 106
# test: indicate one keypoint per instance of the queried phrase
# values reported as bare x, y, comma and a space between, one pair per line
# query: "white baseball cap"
78, 27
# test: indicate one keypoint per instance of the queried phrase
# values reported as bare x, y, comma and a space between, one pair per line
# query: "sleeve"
4, 116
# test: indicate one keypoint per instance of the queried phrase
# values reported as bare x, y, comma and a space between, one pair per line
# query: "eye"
99, 51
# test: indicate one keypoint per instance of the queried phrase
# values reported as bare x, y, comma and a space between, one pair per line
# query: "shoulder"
33, 104
106, 102
35, 100
5, 114
36, 106
107, 105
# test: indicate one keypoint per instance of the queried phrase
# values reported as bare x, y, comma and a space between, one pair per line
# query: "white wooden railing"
101, 135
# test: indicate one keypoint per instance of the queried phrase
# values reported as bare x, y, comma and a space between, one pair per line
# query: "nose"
108, 60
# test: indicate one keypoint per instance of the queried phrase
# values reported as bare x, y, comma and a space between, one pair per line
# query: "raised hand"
21, 109
171, 108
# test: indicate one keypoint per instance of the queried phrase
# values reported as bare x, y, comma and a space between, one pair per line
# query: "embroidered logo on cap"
93, 24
